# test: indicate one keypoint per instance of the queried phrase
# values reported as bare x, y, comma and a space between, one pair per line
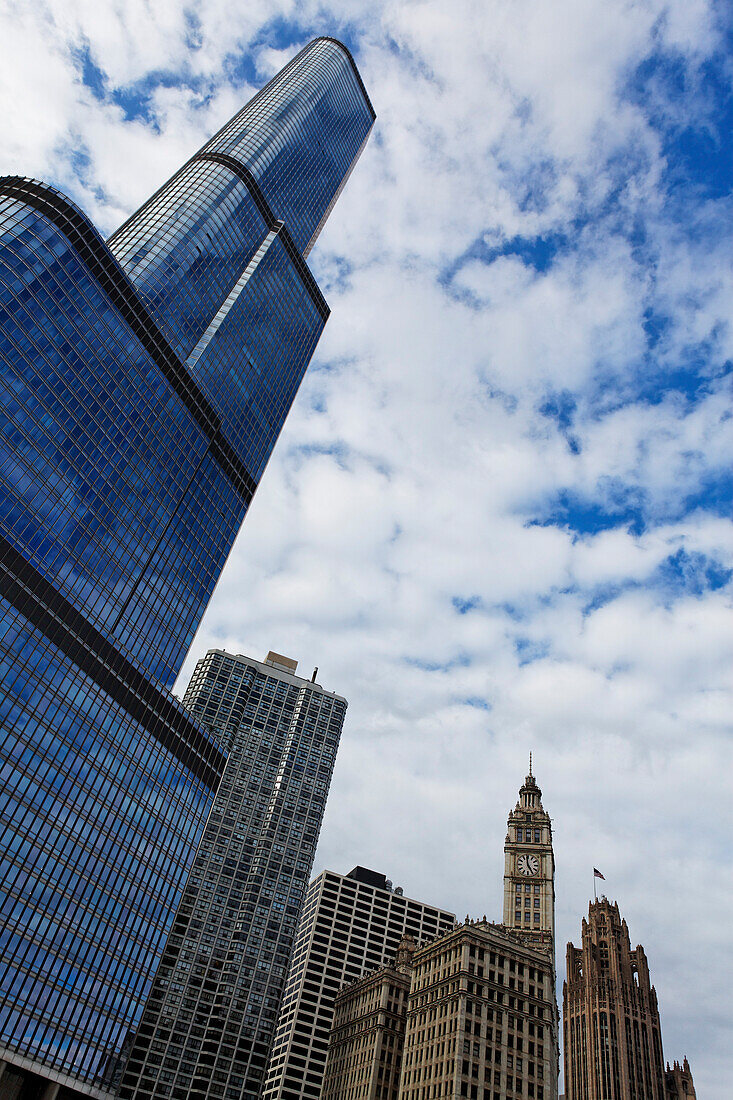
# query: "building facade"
529, 867
611, 1026
365, 1047
481, 1018
350, 924
144, 383
208, 1024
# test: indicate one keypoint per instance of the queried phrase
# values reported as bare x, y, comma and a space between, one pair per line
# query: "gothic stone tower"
678, 1081
529, 867
613, 1038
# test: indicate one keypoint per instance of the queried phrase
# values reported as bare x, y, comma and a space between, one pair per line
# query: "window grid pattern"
198, 238
481, 1019
348, 927
91, 435
103, 823
301, 135
367, 1038
286, 155
253, 364
297, 139
210, 1018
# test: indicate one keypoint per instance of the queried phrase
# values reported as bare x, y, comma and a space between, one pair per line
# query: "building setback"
365, 1048
350, 924
144, 383
611, 1026
208, 1024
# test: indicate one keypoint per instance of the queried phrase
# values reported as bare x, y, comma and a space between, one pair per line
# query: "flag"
597, 874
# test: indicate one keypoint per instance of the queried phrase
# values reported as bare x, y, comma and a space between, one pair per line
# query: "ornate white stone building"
529, 867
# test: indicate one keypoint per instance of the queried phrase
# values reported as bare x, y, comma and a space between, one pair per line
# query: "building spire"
530, 762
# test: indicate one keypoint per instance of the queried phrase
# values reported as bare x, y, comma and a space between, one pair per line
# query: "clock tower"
529, 867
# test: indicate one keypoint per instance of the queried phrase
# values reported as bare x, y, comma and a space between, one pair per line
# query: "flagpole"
597, 874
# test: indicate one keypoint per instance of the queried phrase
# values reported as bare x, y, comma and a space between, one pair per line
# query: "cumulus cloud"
498, 516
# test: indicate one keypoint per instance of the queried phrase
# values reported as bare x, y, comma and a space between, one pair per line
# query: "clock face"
528, 865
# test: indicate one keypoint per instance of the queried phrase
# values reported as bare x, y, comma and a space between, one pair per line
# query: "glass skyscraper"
208, 1024
143, 384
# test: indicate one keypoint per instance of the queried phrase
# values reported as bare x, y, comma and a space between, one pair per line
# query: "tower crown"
607, 979
530, 795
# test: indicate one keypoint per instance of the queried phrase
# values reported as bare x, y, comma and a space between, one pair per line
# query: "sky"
498, 517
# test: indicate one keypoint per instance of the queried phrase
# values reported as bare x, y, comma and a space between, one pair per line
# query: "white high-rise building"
351, 924
210, 1018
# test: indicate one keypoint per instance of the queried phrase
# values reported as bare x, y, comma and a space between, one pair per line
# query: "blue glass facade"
104, 822
143, 383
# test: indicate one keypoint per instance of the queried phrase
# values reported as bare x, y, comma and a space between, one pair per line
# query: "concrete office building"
481, 1018
350, 924
479, 1021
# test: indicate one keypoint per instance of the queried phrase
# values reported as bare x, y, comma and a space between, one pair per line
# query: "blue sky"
498, 518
